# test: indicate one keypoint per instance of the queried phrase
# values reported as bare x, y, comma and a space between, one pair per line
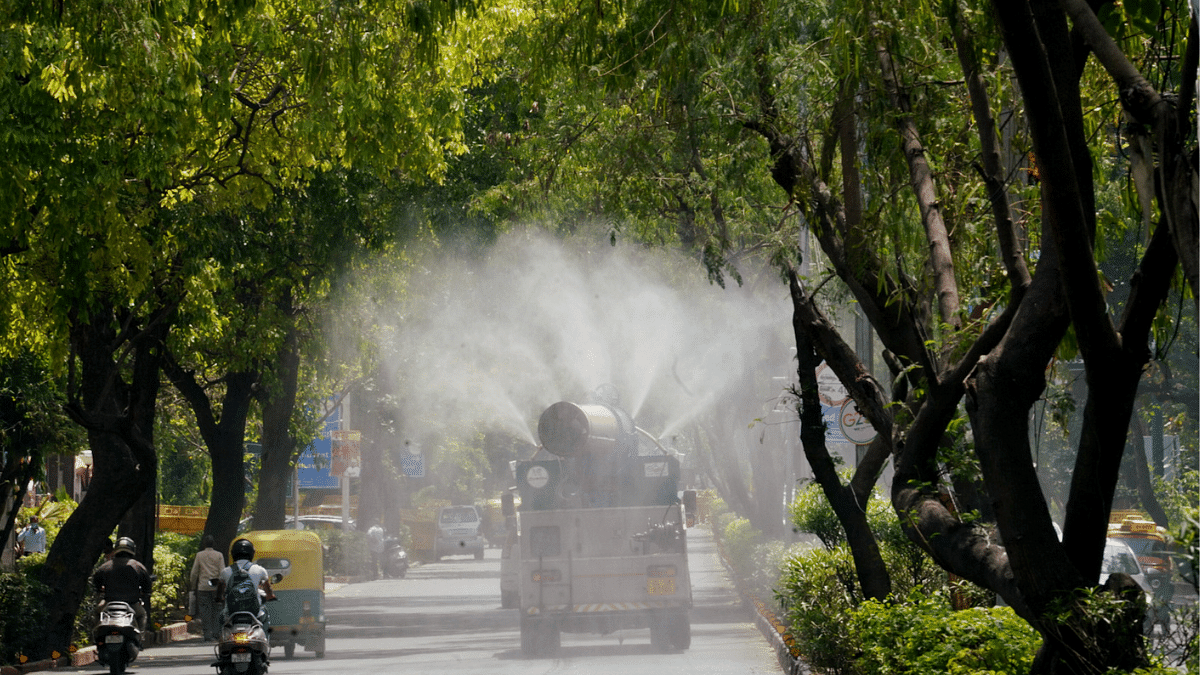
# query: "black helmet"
125, 545
242, 549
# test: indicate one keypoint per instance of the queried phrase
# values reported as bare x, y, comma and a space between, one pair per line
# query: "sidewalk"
170, 633
87, 655
771, 627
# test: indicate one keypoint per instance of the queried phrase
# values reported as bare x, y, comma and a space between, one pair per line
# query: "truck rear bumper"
606, 618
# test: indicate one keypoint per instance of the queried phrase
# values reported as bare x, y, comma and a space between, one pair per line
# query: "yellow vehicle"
1148, 540
298, 616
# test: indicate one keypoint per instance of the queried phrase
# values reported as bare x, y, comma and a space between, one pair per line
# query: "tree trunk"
278, 444
141, 522
767, 476
847, 503
735, 494
224, 434
17, 474
375, 479
1142, 476
941, 263
119, 418
1007, 383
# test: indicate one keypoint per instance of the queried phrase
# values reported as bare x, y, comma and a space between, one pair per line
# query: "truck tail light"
546, 576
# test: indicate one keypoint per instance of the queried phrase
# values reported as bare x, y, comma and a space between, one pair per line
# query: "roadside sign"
313, 465
346, 455
412, 461
854, 425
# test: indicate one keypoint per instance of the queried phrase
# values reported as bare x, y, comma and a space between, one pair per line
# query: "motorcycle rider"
123, 579
242, 553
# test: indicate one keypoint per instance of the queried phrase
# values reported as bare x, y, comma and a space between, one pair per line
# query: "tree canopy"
187, 182
139, 143
966, 171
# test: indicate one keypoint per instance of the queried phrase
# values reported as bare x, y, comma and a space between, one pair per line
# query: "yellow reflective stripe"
606, 607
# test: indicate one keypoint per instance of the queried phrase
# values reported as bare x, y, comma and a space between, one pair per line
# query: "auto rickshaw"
298, 616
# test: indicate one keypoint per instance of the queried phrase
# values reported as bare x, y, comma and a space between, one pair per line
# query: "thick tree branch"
1176, 168
812, 333
992, 172
941, 260
888, 304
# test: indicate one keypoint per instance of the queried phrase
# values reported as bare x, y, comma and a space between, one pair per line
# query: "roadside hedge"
23, 600
924, 635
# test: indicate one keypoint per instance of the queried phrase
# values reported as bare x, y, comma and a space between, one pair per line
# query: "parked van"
459, 532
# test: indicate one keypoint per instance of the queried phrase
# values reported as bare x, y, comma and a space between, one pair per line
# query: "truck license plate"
114, 639
660, 586
240, 657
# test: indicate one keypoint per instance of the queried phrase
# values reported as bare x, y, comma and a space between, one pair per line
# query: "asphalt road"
445, 617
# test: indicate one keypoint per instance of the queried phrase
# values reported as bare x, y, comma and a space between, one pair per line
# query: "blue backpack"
241, 594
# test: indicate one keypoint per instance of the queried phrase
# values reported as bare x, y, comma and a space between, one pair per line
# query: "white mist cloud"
491, 341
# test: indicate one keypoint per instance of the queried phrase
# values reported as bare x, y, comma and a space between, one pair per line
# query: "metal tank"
571, 430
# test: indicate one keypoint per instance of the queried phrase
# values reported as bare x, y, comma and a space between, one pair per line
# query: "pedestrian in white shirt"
32, 539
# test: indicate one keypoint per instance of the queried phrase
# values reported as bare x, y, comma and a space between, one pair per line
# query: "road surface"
445, 617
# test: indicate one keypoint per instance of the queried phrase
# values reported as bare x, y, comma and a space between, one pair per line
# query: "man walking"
205, 570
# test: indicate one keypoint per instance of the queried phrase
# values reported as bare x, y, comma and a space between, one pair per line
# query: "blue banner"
312, 468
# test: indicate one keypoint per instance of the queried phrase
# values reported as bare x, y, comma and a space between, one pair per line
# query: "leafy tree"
960, 214
32, 426
185, 472
998, 368
138, 124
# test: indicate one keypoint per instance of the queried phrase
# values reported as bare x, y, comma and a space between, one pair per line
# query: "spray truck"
601, 541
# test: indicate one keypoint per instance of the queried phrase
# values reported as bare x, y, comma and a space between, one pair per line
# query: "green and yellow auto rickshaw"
298, 616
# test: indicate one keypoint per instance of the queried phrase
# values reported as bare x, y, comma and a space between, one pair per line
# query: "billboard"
843, 422
412, 461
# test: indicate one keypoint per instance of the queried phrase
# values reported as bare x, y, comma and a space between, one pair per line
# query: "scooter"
118, 639
244, 646
395, 558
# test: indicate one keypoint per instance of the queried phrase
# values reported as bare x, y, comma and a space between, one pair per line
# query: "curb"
87, 655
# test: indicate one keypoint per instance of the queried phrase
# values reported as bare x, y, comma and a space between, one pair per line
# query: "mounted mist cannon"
570, 430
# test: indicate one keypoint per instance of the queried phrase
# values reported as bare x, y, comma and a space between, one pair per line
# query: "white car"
1118, 557
459, 532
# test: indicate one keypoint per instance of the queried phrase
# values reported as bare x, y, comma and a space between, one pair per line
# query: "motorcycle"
244, 646
118, 639
395, 558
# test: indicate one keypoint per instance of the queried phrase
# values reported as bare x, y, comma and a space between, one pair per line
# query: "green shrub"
811, 512
346, 553
168, 592
767, 561
817, 589
716, 505
740, 539
909, 567
925, 636
23, 618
